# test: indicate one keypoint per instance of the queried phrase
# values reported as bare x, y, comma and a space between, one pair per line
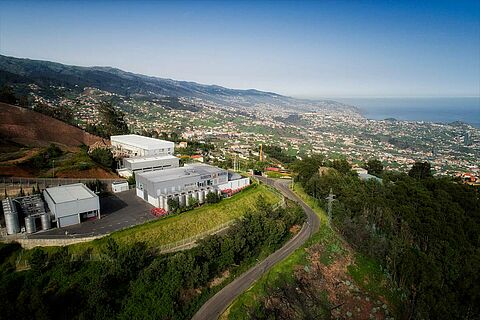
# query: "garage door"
68, 220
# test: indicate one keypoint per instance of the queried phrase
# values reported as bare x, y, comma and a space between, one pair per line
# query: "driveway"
118, 211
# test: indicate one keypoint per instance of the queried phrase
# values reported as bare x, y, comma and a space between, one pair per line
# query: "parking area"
118, 211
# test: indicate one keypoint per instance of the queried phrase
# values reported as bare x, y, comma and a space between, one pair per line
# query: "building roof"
190, 170
367, 176
148, 159
142, 142
70, 192
119, 182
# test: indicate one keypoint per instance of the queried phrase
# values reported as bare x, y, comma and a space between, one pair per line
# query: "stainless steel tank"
46, 222
11, 216
30, 225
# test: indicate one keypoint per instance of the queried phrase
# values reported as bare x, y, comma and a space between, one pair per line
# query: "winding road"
217, 304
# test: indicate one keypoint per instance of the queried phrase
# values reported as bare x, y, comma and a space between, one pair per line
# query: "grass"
275, 175
365, 272
188, 224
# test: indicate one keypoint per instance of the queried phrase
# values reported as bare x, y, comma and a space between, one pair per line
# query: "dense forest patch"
131, 281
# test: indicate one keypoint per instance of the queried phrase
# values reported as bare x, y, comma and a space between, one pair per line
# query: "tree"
306, 168
97, 186
173, 204
374, 166
103, 157
341, 165
192, 202
113, 121
213, 197
7, 95
131, 180
420, 170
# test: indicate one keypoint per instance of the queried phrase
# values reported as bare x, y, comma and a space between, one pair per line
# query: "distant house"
182, 144
360, 170
197, 157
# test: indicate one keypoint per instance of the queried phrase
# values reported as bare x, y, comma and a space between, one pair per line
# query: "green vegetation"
112, 122
44, 159
188, 224
278, 154
129, 281
103, 157
375, 167
306, 301
424, 231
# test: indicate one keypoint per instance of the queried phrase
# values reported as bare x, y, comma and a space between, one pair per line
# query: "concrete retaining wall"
32, 243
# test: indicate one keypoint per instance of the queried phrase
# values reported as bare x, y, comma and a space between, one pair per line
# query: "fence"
190, 242
12, 186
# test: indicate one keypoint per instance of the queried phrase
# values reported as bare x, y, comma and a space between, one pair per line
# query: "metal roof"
142, 142
70, 192
190, 170
147, 159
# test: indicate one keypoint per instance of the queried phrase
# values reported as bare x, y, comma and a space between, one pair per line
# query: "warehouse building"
145, 164
72, 204
132, 145
192, 181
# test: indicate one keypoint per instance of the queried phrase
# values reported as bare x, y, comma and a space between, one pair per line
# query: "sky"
309, 49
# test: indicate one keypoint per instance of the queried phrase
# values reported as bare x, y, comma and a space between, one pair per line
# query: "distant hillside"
33, 129
47, 75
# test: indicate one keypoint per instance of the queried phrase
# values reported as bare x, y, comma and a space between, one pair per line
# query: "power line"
330, 199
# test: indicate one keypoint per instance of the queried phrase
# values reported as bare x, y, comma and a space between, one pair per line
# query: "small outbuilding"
71, 204
119, 186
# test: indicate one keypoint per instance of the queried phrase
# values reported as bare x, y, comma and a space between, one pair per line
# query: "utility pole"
330, 198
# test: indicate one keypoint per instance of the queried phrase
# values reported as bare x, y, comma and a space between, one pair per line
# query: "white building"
192, 181
132, 145
146, 164
72, 204
119, 186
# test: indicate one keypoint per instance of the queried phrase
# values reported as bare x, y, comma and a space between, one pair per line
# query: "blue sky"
305, 48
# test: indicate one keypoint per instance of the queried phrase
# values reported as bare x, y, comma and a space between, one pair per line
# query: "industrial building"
132, 145
194, 180
144, 164
72, 204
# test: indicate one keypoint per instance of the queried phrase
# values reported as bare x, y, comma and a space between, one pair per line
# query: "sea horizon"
437, 110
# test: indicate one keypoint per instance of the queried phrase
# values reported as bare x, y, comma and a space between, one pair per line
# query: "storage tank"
201, 197
30, 224
181, 200
11, 216
46, 222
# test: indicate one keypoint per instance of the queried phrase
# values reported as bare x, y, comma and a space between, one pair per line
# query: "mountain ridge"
45, 74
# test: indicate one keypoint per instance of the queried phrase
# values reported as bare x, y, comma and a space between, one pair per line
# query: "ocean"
443, 110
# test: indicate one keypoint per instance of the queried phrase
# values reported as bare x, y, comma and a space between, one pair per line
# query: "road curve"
217, 304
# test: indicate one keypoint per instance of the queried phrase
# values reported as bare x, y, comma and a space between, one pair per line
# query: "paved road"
214, 307
118, 211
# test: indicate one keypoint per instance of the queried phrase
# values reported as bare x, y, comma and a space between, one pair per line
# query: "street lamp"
53, 175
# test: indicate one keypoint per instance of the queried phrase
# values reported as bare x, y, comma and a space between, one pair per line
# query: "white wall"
153, 201
235, 184
119, 187
76, 207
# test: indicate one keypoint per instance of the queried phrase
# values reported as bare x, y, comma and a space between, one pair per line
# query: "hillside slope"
52, 77
34, 129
